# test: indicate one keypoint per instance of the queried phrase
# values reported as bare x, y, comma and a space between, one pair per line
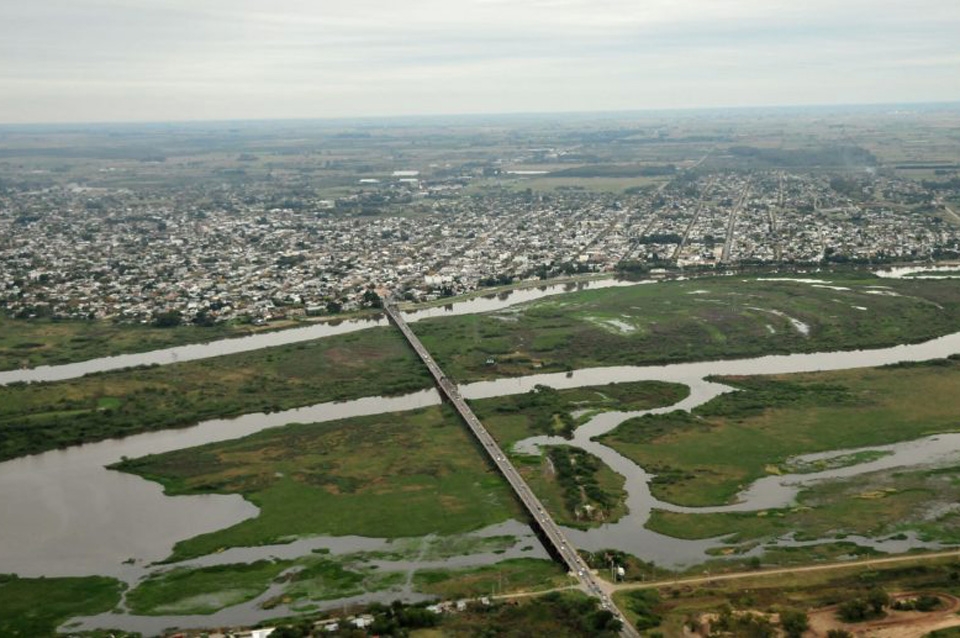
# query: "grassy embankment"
574, 486
37, 342
707, 457
668, 608
41, 416
708, 318
35, 607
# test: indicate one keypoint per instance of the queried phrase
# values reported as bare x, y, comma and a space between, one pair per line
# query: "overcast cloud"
119, 60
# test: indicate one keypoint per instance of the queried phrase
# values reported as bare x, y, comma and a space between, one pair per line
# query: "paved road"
551, 531
732, 224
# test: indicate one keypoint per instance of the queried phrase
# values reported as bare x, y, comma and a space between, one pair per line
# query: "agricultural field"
695, 320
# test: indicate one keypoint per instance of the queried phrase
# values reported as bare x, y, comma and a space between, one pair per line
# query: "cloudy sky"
123, 60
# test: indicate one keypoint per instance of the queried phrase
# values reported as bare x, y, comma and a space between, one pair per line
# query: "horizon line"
602, 113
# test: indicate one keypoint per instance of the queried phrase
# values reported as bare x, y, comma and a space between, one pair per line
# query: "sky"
171, 60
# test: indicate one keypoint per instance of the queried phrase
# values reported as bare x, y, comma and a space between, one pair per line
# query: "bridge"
550, 531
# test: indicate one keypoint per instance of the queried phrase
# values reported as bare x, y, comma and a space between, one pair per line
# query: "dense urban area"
73, 250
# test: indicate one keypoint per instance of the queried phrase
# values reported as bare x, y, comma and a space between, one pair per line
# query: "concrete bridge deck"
549, 529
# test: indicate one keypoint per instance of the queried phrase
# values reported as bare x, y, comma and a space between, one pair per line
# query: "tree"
854, 610
877, 598
839, 633
794, 622
372, 299
168, 319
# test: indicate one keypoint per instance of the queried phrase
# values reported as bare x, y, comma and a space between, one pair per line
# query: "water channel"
318, 330
65, 514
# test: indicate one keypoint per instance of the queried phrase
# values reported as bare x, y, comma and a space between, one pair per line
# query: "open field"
395, 475
35, 607
42, 416
668, 608
706, 318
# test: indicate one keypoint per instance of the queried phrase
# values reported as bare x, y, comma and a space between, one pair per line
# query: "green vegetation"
796, 596
204, 590
557, 614
393, 475
641, 608
878, 504
41, 416
36, 342
635, 570
707, 457
578, 487
819, 156
326, 579
35, 607
545, 410
516, 574
707, 318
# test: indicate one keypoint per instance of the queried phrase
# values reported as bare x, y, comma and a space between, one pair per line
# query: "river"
318, 330
65, 514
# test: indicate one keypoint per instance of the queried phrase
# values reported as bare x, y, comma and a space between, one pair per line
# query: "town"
70, 251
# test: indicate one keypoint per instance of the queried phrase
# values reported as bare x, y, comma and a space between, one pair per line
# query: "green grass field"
698, 319
42, 416
394, 475
707, 457
35, 607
